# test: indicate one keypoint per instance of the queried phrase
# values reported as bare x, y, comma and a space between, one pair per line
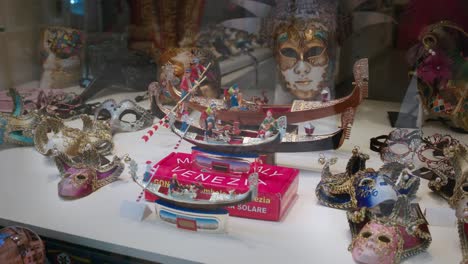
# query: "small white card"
135, 210
440, 216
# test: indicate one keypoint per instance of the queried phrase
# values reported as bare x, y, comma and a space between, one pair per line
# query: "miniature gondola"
290, 142
299, 111
190, 197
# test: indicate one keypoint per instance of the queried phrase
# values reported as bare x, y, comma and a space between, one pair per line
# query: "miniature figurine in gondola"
186, 84
209, 129
197, 70
174, 184
147, 174
185, 118
209, 115
269, 126
234, 92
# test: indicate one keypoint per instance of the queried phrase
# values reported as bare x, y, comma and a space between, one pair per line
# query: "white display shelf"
310, 233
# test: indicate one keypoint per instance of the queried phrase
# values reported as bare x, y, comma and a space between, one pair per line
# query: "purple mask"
86, 174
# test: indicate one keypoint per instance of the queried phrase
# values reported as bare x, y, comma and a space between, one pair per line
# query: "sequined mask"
461, 206
364, 187
441, 65
458, 156
398, 146
376, 243
389, 237
126, 116
17, 128
435, 154
86, 174
301, 48
52, 134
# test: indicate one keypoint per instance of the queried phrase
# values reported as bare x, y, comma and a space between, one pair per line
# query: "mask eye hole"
289, 52
80, 177
314, 52
465, 188
102, 146
384, 239
399, 149
366, 182
104, 114
366, 234
129, 117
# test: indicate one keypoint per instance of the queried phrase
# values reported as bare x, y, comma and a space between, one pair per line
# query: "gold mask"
303, 58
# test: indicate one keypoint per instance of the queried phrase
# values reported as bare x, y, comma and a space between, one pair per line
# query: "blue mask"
372, 189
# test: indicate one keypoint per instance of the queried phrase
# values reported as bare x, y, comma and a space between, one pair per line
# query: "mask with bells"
390, 235
376, 243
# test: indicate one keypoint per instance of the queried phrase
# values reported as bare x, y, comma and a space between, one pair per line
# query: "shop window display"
190, 130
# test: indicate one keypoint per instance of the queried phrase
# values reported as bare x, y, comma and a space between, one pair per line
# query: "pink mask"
86, 175
376, 243
388, 237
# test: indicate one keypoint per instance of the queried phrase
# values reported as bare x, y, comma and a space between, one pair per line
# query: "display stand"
211, 221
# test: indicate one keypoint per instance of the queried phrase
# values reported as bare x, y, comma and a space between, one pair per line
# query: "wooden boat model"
299, 111
188, 197
289, 142
223, 141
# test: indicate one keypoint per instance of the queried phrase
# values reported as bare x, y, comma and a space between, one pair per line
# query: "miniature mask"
52, 134
84, 175
119, 115
18, 127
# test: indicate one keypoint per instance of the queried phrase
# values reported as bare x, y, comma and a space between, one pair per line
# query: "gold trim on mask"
302, 41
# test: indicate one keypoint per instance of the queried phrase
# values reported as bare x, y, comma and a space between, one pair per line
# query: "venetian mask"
52, 134
361, 187
372, 188
174, 61
459, 199
442, 155
388, 236
376, 243
398, 146
18, 127
461, 207
441, 71
62, 42
126, 116
303, 57
84, 175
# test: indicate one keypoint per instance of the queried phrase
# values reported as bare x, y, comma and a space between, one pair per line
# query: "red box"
277, 186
